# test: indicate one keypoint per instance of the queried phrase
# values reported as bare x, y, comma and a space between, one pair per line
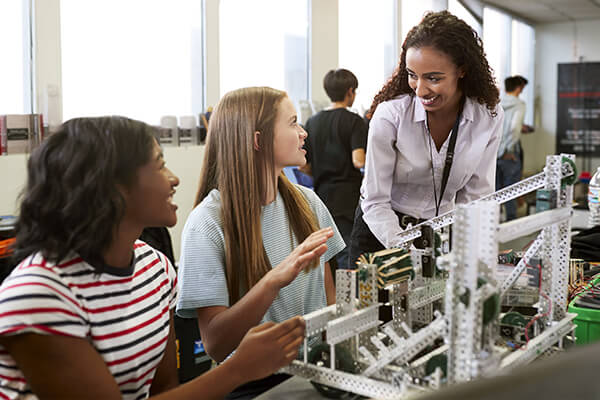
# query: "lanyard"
447, 164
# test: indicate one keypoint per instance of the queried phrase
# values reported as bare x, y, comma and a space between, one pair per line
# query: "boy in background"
336, 143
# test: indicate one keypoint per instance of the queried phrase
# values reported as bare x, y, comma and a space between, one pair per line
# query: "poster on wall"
578, 109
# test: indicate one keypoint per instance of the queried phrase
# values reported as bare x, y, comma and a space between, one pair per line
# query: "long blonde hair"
243, 175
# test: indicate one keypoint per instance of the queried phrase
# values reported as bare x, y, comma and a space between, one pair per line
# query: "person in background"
336, 143
433, 136
204, 118
509, 159
87, 312
256, 247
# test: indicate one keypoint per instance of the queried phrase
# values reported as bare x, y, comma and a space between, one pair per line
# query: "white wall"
185, 162
323, 45
212, 79
555, 43
13, 173
48, 60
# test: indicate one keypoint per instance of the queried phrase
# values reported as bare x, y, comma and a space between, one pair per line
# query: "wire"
587, 285
537, 317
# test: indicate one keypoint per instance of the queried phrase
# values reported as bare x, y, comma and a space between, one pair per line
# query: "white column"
439, 5
212, 89
323, 45
47, 61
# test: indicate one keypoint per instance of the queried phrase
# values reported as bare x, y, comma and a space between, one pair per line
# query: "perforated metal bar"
345, 290
400, 303
409, 347
316, 321
350, 325
427, 294
540, 343
532, 223
342, 380
520, 267
511, 192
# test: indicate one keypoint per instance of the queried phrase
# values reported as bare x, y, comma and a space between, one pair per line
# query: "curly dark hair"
454, 37
71, 201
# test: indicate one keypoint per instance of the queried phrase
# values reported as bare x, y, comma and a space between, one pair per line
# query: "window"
15, 75
137, 58
264, 43
366, 45
522, 62
456, 8
510, 48
413, 12
496, 40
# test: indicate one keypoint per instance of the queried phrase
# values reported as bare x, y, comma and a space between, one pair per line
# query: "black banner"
578, 109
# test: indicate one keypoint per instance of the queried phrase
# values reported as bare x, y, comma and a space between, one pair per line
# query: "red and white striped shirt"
122, 312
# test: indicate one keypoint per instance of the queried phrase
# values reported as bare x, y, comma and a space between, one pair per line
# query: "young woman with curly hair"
443, 84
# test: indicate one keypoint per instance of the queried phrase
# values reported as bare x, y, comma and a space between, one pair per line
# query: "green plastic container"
587, 321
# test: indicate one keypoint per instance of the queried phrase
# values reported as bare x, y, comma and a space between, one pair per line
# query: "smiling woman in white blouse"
434, 132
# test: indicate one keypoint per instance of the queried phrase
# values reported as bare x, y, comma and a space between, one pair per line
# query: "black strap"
449, 156
447, 164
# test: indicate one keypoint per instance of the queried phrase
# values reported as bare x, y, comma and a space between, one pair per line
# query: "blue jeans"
507, 173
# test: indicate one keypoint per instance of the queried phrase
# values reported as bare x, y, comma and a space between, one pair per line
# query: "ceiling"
549, 11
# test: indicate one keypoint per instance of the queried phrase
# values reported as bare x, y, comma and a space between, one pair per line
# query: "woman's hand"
312, 247
266, 348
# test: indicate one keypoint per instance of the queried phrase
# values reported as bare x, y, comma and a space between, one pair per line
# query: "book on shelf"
20, 133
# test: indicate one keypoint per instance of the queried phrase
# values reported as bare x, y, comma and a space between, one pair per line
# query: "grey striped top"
202, 279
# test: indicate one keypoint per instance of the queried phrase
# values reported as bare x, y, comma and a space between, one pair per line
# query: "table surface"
295, 388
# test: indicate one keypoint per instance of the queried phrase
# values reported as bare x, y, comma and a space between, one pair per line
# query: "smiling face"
288, 137
434, 78
150, 198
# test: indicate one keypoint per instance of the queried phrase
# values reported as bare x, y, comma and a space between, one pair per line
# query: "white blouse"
398, 164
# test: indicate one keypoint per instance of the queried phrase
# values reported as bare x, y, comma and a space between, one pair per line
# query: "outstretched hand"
312, 247
268, 347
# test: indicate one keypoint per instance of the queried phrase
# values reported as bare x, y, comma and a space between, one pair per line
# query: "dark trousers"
344, 225
362, 240
507, 173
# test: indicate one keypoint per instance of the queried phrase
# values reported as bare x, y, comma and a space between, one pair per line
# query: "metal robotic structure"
448, 310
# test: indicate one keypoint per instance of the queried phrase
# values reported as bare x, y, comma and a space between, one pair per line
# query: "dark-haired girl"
415, 169
87, 312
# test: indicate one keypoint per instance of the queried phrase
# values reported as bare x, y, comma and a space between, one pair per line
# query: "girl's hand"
267, 347
312, 247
